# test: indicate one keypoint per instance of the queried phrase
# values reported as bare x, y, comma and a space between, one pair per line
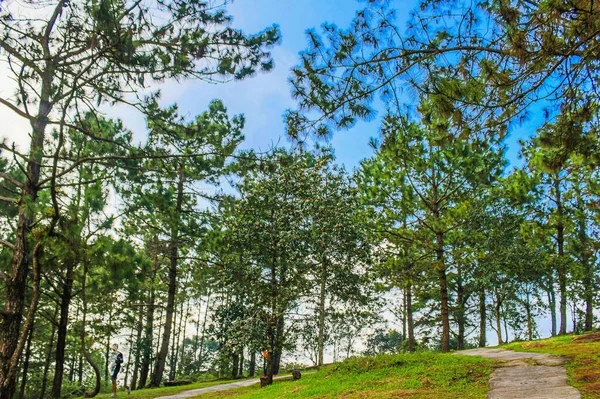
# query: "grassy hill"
582, 353
420, 375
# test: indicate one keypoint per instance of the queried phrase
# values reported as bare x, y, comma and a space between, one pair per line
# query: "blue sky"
264, 97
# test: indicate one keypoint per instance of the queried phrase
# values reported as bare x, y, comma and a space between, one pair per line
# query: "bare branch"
8, 244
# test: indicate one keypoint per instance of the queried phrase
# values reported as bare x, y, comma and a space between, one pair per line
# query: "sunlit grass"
421, 375
164, 391
582, 353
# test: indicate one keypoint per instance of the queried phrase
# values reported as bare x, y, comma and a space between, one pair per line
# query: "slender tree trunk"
529, 317
562, 267
107, 347
252, 367
149, 326
10, 378
162, 354
182, 335
61, 340
588, 269
497, 308
128, 368
441, 269
84, 350
80, 370
322, 297
404, 311
201, 354
409, 318
460, 311
499, 325
49, 354
173, 349
176, 343
26, 365
138, 343
482, 319
16, 284
552, 306
506, 340
235, 362
272, 320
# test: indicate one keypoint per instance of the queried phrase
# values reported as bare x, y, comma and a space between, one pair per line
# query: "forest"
196, 254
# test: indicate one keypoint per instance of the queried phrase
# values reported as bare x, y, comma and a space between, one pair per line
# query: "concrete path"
526, 375
216, 388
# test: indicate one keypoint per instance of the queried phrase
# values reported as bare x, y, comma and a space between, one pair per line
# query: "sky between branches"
265, 97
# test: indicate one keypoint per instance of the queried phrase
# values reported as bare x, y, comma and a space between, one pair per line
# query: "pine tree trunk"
12, 315
80, 370
162, 355
322, 297
272, 319
552, 306
107, 347
26, 365
588, 269
181, 340
440, 267
252, 366
482, 319
176, 343
498, 321
529, 319
562, 267
460, 311
149, 326
84, 350
49, 355
173, 349
128, 368
506, 340
138, 343
63, 322
235, 362
409, 318
201, 354
404, 311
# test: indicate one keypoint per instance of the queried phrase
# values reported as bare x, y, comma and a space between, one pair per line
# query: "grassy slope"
156, 392
583, 358
423, 375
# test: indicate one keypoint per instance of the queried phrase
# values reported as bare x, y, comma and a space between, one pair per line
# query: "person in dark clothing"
114, 368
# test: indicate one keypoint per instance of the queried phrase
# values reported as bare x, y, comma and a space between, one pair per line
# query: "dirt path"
527, 375
216, 388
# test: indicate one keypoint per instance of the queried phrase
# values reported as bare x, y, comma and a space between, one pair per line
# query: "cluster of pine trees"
195, 256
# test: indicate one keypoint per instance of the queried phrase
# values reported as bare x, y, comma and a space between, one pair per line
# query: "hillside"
420, 375
582, 353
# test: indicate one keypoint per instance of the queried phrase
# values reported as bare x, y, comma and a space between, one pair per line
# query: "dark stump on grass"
296, 374
264, 381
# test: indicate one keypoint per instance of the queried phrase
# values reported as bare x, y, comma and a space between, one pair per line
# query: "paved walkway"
216, 388
527, 375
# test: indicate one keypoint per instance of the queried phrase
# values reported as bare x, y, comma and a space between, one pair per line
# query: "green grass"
422, 375
582, 353
164, 391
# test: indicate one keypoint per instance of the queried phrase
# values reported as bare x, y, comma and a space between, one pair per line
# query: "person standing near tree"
115, 367
265, 355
